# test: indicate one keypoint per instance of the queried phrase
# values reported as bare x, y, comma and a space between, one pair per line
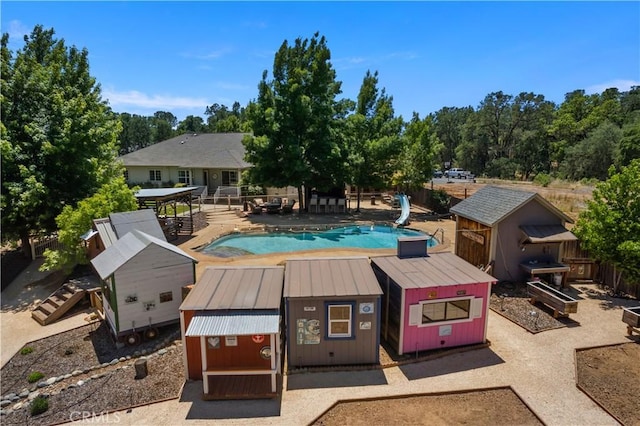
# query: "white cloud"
159, 102
621, 85
214, 54
17, 30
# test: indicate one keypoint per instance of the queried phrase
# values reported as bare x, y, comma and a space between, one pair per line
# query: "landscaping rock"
76, 373
9, 396
80, 383
66, 376
122, 359
17, 406
114, 361
162, 351
5, 402
50, 381
33, 395
42, 385
24, 393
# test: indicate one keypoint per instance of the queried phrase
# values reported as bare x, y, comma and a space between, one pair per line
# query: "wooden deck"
241, 387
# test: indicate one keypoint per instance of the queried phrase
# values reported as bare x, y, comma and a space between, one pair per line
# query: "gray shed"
332, 309
231, 332
515, 233
142, 280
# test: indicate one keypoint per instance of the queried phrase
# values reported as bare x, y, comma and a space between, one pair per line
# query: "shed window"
446, 311
166, 296
184, 176
340, 318
155, 175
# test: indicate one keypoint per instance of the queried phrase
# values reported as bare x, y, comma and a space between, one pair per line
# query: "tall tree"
449, 127
610, 226
294, 142
136, 132
592, 157
162, 126
419, 152
59, 138
373, 135
191, 124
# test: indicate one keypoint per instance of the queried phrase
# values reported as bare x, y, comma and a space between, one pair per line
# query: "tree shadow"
336, 379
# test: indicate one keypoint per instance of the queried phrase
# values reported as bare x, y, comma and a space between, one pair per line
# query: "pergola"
159, 199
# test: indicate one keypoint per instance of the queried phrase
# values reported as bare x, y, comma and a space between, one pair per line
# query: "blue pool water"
369, 237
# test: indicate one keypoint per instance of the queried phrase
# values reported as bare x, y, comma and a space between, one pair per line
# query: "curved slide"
403, 220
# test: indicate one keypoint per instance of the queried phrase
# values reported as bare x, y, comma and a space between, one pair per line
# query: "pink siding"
427, 337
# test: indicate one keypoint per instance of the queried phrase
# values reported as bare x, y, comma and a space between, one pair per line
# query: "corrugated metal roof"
547, 233
438, 269
207, 150
106, 231
144, 220
241, 323
324, 277
239, 287
124, 249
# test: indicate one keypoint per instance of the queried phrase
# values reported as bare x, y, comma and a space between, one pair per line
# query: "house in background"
231, 332
211, 160
142, 280
431, 301
332, 308
518, 233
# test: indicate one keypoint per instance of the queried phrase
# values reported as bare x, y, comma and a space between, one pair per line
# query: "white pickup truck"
458, 173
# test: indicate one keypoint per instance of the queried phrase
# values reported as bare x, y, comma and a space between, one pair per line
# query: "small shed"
231, 334
142, 279
518, 233
332, 308
431, 301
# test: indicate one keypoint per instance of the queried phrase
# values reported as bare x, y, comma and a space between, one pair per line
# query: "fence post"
33, 248
229, 201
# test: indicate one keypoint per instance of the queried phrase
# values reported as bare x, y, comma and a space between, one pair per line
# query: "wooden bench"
562, 304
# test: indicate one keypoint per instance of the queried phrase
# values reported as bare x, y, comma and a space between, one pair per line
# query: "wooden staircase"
58, 303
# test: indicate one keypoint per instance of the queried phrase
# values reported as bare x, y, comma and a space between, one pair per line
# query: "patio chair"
313, 204
331, 205
258, 201
322, 204
288, 207
274, 205
255, 208
341, 207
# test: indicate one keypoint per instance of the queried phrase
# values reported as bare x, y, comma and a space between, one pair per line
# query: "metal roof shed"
230, 324
432, 301
332, 309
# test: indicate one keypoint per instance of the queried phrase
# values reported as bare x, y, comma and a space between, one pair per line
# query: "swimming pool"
356, 236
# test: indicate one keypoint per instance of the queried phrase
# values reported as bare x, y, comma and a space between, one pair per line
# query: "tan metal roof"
321, 277
240, 287
438, 269
547, 233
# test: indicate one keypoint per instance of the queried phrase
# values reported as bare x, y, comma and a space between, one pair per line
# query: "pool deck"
223, 221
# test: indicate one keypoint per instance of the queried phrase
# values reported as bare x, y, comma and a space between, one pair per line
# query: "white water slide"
403, 220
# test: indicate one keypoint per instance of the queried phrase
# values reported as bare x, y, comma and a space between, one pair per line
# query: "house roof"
207, 150
236, 288
127, 247
144, 220
238, 323
492, 204
324, 277
539, 234
435, 270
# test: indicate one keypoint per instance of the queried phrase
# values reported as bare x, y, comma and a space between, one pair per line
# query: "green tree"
449, 127
373, 135
610, 226
136, 133
420, 149
59, 138
191, 124
162, 126
293, 120
591, 157
114, 196
629, 147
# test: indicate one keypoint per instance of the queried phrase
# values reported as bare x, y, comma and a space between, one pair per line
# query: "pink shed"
432, 301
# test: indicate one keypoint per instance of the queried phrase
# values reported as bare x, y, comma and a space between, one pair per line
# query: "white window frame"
416, 318
157, 175
186, 178
348, 320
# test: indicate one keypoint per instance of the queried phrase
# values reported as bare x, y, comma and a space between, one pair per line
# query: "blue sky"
182, 56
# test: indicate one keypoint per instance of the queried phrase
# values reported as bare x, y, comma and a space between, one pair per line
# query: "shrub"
542, 179
26, 350
39, 405
440, 201
35, 376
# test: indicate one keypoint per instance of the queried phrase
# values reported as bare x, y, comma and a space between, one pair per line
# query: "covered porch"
548, 264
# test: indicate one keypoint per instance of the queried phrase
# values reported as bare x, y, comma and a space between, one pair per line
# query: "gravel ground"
104, 378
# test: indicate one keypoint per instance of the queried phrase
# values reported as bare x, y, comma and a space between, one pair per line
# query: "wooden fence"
40, 243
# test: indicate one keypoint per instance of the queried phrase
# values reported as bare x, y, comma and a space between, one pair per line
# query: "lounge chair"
313, 204
288, 207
